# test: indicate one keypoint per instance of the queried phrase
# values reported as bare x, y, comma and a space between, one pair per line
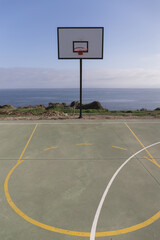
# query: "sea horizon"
110, 98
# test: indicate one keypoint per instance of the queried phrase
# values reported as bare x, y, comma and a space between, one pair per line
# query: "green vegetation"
71, 111
63, 110
29, 110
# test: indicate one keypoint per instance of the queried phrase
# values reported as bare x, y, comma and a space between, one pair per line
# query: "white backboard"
89, 38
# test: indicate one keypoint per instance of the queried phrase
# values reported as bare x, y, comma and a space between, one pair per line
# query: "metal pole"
80, 114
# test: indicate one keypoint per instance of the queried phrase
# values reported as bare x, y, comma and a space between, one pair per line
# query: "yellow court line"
152, 158
27, 143
50, 148
81, 144
22, 159
65, 231
69, 232
120, 148
152, 161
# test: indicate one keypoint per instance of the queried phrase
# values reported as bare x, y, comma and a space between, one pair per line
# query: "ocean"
112, 99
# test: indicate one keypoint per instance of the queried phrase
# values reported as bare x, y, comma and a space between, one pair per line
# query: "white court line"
96, 217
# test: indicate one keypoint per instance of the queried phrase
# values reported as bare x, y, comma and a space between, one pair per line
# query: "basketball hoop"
80, 50
80, 43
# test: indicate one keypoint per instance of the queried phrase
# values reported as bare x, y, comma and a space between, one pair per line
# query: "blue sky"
28, 43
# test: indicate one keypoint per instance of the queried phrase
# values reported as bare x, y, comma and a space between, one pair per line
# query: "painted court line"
125, 230
19, 160
155, 162
46, 149
70, 232
152, 158
120, 148
84, 144
27, 143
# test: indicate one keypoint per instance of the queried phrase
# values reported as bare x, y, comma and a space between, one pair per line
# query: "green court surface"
80, 179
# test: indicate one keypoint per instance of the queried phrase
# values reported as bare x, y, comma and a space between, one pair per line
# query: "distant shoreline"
93, 110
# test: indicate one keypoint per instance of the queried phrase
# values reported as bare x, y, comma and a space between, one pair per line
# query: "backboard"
80, 42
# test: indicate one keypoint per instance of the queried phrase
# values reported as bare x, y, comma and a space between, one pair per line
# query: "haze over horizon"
28, 44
